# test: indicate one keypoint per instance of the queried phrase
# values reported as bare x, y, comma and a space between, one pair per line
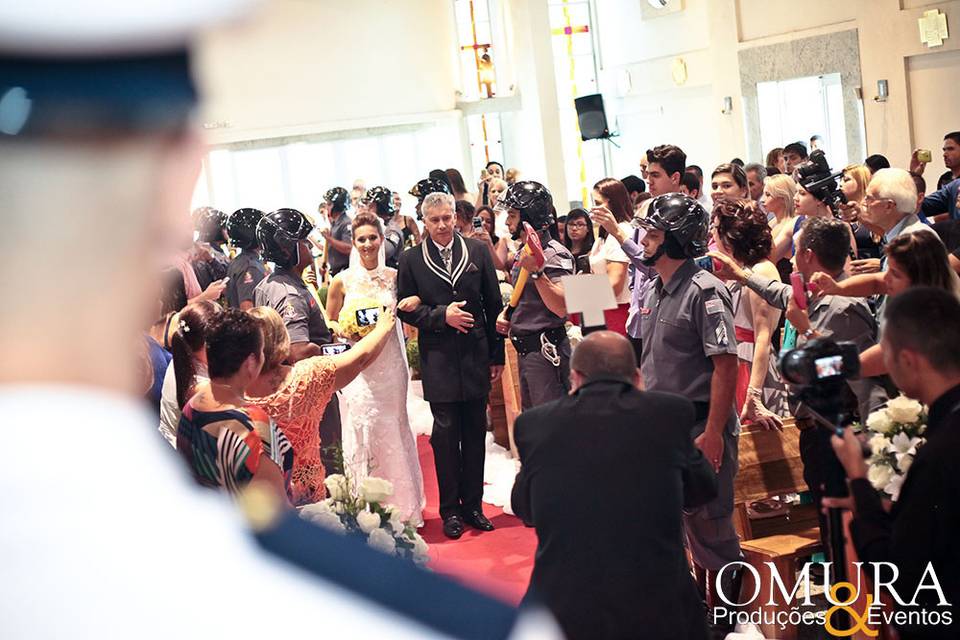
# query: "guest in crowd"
793, 154
226, 441
296, 396
912, 260
459, 188
629, 541
853, 185
464, 217
337, 237
460, 354
666, 168
920, 529
156, 361
876, 162
511, 176
951, 160
775, 159
811, 198
499, 247
493, 189
778, 199
494, 172
188, 367
690, 348
406, 225
377, 439
635, 186
690, 185
816, 142
728, 182
704, 198
943, 204
606, 256
537, 326
283, 235
741, 231
579, 238
246, 270
756, 174
822, 246
562, 230
890, 203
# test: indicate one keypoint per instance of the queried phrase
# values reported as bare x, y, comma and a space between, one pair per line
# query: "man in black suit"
460, 354
606, 474
919, 533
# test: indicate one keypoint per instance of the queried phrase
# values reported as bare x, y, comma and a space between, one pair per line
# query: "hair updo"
364, 219
743, 228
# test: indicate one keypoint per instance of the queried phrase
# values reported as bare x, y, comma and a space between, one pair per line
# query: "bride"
377, 439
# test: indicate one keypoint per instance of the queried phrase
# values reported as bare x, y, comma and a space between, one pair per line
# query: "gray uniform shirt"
531, 314
287, 293
841, 318
245, 273
683, 323
342, 230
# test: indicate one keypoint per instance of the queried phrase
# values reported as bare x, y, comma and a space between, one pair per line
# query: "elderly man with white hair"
890, 204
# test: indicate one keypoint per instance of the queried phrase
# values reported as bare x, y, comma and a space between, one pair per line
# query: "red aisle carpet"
497, 562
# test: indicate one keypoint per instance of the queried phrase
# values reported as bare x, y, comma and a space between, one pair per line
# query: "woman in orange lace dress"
296, 396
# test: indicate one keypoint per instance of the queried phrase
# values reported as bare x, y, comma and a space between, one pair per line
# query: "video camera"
818, 371
815, 176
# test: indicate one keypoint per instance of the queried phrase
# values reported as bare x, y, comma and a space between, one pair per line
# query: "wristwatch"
535, 275
809, 334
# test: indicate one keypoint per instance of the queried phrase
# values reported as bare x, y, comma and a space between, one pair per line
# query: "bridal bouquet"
361, 510
350, 326
895, 435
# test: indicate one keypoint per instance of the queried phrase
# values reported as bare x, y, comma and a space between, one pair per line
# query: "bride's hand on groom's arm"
409, 304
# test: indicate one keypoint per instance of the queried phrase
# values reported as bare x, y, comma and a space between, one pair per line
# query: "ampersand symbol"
861, 620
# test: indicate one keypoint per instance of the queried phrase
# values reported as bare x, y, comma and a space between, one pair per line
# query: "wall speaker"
592, 119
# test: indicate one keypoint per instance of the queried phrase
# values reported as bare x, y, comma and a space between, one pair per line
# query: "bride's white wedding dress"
377, 439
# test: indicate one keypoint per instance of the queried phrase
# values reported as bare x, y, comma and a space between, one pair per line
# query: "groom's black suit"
455, 366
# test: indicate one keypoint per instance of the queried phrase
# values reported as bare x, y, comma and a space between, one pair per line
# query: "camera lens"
795, 367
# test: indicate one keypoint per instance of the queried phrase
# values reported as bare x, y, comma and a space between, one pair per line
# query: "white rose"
893, 487
337, 486
368, 521
396, 521
380, 540
421, 553
375, 489
878, 444
903, 464
879, 475
328, 520
309, 511
903, 409
879, 421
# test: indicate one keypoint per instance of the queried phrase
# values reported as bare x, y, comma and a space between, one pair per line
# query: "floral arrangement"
361, 510
895, 435
349, 327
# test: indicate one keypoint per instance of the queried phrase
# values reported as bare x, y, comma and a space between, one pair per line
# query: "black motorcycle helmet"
338, 198
381, 199
534, 202
427, 186
209, 224
280, 233
242, 228
685, 223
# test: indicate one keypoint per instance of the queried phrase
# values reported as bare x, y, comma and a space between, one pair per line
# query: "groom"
460, 354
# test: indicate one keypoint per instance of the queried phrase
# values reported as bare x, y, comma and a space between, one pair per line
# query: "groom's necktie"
447, 254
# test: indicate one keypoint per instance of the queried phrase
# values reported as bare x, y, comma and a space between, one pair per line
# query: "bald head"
603, 354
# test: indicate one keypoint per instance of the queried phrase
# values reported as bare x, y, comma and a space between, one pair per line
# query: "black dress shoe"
453, 527
477, 520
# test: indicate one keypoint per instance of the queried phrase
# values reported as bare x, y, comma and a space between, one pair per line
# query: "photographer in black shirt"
923, 525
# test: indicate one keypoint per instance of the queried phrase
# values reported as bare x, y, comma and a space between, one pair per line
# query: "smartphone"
333, 348
483, 175
477, 223
924, 155
583, 264
799, 289
705, 263
368, 316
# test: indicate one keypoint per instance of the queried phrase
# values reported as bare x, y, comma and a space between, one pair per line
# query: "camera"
815, 176
818, 371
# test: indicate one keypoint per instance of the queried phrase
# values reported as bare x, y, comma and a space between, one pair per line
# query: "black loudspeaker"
590, 115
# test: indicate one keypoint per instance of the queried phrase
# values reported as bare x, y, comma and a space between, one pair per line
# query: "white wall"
310, 66
707, 34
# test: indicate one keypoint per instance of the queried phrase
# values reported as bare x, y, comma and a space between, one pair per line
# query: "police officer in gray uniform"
689, 348
283, 236
340, 235
246, 270
536, 326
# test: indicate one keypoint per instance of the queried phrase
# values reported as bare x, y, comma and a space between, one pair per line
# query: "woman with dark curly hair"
741, 231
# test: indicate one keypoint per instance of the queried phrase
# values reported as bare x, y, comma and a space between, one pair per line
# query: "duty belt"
533, 342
